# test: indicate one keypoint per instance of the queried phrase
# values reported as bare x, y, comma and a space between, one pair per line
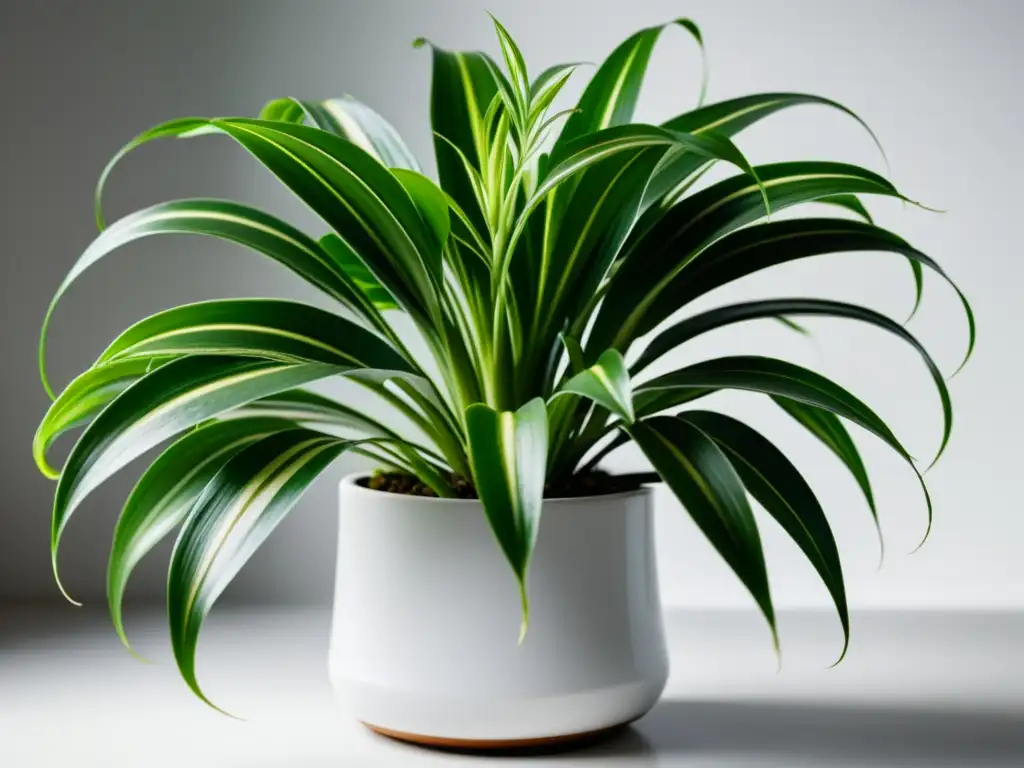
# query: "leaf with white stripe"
462, 87
704, 480
645, 286
234, 515
781, 380
87, 395
163, 496
610, 97
829, 429
275, 329
508, 453
750, 250
607, 384
353, 120
160, 405
685, 330
224, 220
779, 487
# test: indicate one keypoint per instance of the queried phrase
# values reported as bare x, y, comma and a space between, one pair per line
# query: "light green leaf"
508, 452
607, 384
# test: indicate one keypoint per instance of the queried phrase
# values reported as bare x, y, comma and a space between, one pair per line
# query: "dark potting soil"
584, 484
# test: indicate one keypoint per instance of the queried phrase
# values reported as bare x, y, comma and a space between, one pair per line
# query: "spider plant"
543, 272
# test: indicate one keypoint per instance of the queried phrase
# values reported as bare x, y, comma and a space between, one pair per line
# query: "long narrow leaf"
704, 480
287, 331
236, 512
166, 491
508, 451
167, 401
681, 332
779, 487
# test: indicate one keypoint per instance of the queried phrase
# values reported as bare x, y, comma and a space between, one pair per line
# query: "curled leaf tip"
842, 655
60, 586
419, 42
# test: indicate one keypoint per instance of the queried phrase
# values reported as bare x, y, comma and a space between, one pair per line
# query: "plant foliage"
554, 247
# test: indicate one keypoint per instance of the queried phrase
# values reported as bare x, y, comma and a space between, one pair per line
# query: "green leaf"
241, 224
780, 379
515, 63
346, 260
174, 397
610, 97
651, 273
779, 487
353, 120
829, 429
166, 491
275, 329
750, 250
607, 384
285, 110
691, 327
81, 400
462, 87
508, 452
236, 512
703, 479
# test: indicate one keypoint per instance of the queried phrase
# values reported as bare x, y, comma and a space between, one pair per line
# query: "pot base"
543, 743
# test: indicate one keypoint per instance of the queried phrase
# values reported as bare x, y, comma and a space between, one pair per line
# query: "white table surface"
917, 689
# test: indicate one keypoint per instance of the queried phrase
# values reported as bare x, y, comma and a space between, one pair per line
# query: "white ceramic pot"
427, 618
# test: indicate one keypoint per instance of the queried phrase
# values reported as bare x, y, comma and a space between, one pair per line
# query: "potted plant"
494, 586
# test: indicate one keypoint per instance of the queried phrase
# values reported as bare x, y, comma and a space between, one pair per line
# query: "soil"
586, 484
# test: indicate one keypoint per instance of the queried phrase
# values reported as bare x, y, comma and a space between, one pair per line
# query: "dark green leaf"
779, 487
704, 480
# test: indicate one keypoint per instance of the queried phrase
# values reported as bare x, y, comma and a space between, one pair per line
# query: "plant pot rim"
352, 481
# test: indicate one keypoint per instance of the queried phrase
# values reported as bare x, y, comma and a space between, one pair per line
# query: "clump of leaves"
552, 249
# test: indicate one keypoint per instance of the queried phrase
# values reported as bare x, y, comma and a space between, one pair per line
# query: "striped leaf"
750, 250
166, 491
607, 384
610, 97
508, 451
233, 516
81, 400
275, 329
160, 405
691, 327
779, 379
779, 487
829, 429
462, 87
352, 120
347, 261
645, 286
709, 488
225, 220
